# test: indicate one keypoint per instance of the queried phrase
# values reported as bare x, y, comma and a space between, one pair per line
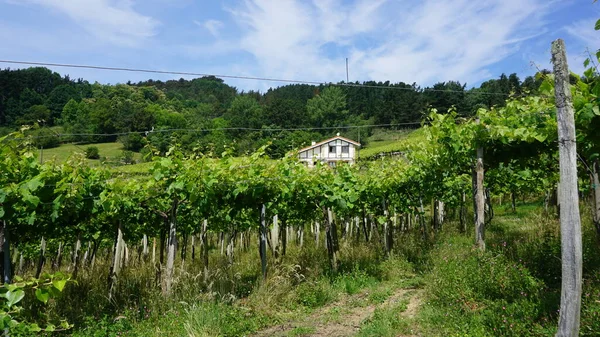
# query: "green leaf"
34, 184
546, 87
42, 295
50, 328
596, 110
33, 327
14, 296
32, 199
65, 325
597, 26
586, 63
59, 284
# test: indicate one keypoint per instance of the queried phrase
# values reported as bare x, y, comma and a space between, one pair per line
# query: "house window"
346, 149
332, 163
331, 149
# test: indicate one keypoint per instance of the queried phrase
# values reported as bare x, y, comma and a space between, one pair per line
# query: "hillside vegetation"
208, 115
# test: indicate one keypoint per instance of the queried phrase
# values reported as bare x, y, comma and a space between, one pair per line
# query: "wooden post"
275, 236
570, 222
387, 230
331, 238
364, 224
317, 232
58, 259
153, 250
116, 262
230, 245
145, 247
263, 241
596, 187
422, 219
76, 255
42, 259
193, 247
479, 200
6, 247
283, 231
204, 242
171, 249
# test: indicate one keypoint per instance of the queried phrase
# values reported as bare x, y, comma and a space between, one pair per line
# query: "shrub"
92, 152
45, 138
133, 142
127, 157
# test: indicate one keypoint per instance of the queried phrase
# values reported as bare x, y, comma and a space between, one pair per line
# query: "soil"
343, 318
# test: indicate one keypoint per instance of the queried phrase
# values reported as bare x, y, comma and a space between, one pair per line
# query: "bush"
92, 152
133, 142
45, 138
127, 157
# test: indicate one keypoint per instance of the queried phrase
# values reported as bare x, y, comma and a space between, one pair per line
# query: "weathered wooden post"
570, 222
479, 199
263, 241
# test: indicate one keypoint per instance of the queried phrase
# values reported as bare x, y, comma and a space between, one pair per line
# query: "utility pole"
570, 221
347, 77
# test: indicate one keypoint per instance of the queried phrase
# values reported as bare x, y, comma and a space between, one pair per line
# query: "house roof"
327, 141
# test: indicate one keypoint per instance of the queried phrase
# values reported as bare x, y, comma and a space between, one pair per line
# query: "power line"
240, 77
214, 129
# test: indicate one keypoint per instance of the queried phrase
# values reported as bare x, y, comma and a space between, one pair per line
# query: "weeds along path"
346, 316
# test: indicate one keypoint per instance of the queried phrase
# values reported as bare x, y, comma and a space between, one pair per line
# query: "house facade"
331, 151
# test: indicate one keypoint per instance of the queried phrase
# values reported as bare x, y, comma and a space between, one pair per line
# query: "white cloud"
584, 31
213, 26
114, 21
425, 41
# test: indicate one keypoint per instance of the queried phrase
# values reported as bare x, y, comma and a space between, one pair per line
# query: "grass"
111, 151
387, 321
390, 141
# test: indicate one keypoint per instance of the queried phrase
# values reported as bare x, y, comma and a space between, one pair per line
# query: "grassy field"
110, 151
390, 141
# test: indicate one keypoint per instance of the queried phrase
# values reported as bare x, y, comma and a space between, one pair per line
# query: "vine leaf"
42, 295
14, 297
59, 284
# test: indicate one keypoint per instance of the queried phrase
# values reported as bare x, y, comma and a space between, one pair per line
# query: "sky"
425, 41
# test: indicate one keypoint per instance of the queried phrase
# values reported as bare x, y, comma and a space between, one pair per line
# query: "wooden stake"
570, 222
479, 200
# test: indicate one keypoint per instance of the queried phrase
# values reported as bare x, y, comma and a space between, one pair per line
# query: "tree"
244, 112
444, 95
328, 108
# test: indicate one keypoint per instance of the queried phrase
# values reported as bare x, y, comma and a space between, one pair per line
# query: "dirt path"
343, 318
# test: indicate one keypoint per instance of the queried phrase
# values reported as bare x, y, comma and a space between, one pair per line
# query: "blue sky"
398, 40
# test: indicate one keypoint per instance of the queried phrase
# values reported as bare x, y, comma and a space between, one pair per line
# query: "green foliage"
477, 293
132, 142
126, 157
45, 138
386, 321
92, 152
314, 294
11, 296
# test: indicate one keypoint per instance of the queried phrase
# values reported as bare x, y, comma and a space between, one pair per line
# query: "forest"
57, 106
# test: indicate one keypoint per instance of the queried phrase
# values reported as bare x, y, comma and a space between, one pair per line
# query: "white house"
332, 151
